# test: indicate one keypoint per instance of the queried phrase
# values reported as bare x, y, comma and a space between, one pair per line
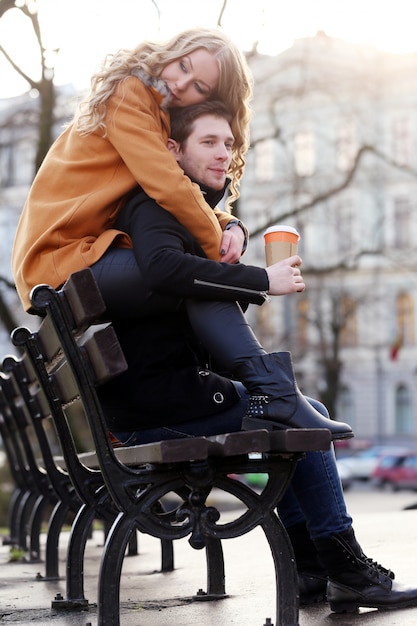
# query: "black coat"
168, 380
172, 262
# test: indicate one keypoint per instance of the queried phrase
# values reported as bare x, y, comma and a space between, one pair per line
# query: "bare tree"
291, 93
45, 84
7, 316
335, 328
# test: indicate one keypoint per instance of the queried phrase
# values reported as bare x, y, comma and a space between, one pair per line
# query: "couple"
80, 212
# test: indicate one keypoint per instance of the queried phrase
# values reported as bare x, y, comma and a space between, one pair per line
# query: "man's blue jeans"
315, 495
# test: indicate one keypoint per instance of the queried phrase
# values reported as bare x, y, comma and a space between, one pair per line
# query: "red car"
397, 471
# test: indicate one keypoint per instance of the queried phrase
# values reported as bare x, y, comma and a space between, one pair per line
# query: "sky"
85, 31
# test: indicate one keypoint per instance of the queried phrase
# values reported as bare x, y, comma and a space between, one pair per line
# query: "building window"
346, 407
405, 319
348, 322
6, 165
264, 160
402, 223
401, 140
403, 411
304, 153
346, 145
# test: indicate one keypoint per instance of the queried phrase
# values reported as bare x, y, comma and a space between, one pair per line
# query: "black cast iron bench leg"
14, 507
108, 604
56, 522
80, 532
35, 528
216, 586
286, 580
24, 511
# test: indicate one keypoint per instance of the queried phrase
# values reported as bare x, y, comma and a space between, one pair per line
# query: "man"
164, 345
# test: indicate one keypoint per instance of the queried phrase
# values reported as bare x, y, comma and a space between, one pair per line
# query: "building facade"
334, 138
18, 133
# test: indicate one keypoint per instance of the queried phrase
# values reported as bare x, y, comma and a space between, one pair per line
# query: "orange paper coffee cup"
281, 242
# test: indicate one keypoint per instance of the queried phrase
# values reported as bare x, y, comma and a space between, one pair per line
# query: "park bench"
34, 453
29, 483
72, 353
34, 494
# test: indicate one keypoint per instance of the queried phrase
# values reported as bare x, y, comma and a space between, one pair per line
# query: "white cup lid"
281, 228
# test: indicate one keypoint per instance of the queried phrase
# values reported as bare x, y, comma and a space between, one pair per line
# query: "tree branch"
6, 5
32, 83
222, 10
332, 191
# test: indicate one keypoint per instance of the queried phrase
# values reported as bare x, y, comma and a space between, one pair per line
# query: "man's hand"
285, 276
232, 244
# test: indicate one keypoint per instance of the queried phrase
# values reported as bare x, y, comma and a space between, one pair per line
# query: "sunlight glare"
85, 32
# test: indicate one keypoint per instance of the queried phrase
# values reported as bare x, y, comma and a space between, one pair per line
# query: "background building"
334, 137
18, 136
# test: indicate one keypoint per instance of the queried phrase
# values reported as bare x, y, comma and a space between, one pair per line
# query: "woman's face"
192, 78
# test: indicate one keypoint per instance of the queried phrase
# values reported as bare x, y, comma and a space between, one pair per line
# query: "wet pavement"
386, 531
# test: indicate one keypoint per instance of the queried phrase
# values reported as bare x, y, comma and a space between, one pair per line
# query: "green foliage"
16, 555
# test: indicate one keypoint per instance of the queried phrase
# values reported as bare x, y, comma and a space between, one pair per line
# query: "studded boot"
276, 402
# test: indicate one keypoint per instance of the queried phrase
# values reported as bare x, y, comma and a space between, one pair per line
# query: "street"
363, 498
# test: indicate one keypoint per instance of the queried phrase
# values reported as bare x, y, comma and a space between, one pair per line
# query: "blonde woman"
117, 141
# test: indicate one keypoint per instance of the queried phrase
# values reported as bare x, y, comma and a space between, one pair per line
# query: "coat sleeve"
138, 130
172, 262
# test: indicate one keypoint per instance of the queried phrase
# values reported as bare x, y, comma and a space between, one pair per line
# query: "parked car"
362, 464
386, 469
404, 476
345, 476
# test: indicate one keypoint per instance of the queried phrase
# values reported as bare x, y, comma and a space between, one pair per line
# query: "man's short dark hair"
183, 118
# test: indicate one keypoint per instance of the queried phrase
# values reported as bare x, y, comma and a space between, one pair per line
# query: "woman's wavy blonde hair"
234, 88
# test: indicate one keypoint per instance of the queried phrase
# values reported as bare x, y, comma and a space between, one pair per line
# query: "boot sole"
351, 604
354, 607
255, 423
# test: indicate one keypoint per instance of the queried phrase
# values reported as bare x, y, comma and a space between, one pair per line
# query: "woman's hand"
232, 244
285, 276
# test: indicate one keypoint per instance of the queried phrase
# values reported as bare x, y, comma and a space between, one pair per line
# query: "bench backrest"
12, 445
65, 359
34, 430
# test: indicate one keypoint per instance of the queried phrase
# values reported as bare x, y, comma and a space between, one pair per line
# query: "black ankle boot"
357, 581
276, 402
312, 577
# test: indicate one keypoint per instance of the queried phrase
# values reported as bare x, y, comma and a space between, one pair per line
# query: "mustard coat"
67, 221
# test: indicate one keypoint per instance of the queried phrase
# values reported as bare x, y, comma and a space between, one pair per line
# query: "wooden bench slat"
228, 444
65, 384
244, 442
105, 354
167, 452
48, 339
305, 439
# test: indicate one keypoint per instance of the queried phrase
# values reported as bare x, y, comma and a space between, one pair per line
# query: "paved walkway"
149, 598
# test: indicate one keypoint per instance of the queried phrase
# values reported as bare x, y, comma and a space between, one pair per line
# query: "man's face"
207, 153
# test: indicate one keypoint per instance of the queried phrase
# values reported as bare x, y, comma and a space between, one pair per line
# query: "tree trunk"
46, 120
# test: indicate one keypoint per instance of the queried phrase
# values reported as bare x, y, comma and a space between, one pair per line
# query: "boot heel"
343, 607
